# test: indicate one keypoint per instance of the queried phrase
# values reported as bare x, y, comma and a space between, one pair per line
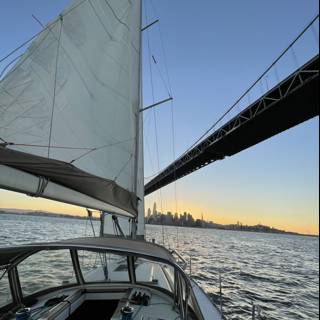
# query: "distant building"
154, 211
187, 220
169, 218
190, 219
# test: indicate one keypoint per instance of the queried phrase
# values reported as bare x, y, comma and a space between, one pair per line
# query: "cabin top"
9, 255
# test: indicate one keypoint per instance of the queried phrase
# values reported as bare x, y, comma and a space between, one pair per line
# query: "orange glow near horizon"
221, 215
12, 200
230, 214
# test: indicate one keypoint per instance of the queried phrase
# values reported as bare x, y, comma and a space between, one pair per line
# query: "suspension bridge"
290, 102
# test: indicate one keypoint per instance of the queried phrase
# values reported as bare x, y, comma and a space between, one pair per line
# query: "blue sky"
214, 51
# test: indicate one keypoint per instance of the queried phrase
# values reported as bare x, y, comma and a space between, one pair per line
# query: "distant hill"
42, 213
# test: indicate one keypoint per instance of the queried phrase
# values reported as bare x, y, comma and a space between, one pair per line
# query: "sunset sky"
214, 51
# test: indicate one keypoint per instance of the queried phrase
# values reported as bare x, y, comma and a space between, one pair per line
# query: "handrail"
183, 260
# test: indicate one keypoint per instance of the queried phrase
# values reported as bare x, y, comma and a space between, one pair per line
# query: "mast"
139, 165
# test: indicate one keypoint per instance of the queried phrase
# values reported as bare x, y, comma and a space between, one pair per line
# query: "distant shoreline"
252, 229
288, 233
45, 214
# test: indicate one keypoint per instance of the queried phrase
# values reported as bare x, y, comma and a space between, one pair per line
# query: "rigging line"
152, 91
154, 117
27, 56
167, 85
19, 47
4, 273
46, 146
150, 156
174, 168
161, 76
90, 214
99, 148
147, 123
9, 64
37, 34
169, 88
163, 51
172, 119
249, 89
55, 85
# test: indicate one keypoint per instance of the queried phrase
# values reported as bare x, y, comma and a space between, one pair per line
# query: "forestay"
69, 109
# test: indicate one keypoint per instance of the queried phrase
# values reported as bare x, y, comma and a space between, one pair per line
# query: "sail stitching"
12, 103
115, 15
65, 51
25, 129
106, 30
102, 24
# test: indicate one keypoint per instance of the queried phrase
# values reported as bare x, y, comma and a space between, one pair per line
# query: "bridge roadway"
291, 102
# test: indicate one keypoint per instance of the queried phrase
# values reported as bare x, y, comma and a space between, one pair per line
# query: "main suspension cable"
258, 80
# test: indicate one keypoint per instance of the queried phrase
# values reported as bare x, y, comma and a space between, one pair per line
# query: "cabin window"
5, 293
155, 274
46, 269
103, 267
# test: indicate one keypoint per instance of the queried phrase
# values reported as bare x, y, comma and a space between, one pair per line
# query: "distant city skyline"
214, 51
186, 219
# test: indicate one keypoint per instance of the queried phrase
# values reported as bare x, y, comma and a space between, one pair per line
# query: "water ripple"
278, 272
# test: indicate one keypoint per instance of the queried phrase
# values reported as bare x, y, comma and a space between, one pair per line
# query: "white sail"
69, 108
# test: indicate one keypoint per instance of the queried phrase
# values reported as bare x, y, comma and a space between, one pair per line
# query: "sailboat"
71, 131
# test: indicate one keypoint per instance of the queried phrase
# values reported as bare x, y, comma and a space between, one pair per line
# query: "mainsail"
70, 110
